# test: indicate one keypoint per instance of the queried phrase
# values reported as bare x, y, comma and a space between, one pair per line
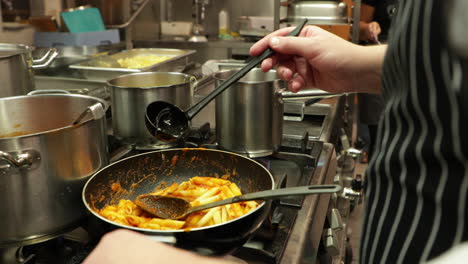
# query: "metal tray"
319, 12
107, 67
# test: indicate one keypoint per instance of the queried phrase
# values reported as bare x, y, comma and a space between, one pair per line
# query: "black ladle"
168, 122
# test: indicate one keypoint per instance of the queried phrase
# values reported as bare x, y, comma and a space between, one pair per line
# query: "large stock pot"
132, 93
44, 163
16, 68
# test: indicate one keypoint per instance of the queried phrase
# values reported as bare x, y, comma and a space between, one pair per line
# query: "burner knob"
356, 184
351, 194
335, 219
330, 242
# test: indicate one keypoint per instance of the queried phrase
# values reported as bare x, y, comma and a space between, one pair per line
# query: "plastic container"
83, 20
223, 24
57, 39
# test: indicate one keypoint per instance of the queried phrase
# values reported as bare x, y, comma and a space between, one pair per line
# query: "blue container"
96, 38
83, 20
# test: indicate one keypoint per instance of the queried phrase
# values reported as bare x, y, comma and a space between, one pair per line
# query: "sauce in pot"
14, 134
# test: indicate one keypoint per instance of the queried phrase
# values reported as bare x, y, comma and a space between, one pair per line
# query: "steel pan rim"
216, 76
109, 82
169, 232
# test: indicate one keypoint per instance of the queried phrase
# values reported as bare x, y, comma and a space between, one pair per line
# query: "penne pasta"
198, 191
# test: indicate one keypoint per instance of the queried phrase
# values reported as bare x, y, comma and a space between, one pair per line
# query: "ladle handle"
271, 194
238, 75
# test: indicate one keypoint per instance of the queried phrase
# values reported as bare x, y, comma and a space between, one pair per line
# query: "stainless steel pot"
131, 94
16, 68
44, 164
249, 115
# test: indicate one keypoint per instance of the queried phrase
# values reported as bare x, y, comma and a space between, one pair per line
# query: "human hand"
320, 59
123, 246
373, 31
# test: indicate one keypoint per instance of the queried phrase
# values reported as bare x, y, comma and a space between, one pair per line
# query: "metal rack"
354, 21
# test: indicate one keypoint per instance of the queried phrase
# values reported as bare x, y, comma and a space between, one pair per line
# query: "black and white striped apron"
417, 181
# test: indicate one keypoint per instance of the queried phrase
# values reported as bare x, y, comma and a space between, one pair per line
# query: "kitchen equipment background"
16, 68
113, 12
132, 93
75, 54
107, 67
319, 12
44, 23
151, 169
44, 163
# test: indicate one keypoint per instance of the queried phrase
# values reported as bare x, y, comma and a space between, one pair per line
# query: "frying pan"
140, 174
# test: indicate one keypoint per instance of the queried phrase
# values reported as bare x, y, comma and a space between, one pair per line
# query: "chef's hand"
125, 247
373, 31
320, 59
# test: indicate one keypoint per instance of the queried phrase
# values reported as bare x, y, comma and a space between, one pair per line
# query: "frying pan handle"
171, 240
22, 159
192, 246
278, 193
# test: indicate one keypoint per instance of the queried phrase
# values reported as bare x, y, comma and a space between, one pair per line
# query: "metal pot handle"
23, 159
199, 84
193, 82
36, 92
311, 97
43, 58
309, 94
46, 60
96, 110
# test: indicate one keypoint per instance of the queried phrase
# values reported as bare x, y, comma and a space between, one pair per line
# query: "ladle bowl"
166, 121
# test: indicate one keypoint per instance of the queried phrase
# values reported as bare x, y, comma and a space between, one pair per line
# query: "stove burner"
58, 251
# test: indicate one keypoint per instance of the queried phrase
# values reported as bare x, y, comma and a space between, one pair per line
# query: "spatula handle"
272, 194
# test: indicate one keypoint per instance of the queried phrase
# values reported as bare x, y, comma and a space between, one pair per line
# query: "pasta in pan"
198, 191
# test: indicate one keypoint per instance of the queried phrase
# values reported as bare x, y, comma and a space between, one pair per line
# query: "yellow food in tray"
198, 191
141, 61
